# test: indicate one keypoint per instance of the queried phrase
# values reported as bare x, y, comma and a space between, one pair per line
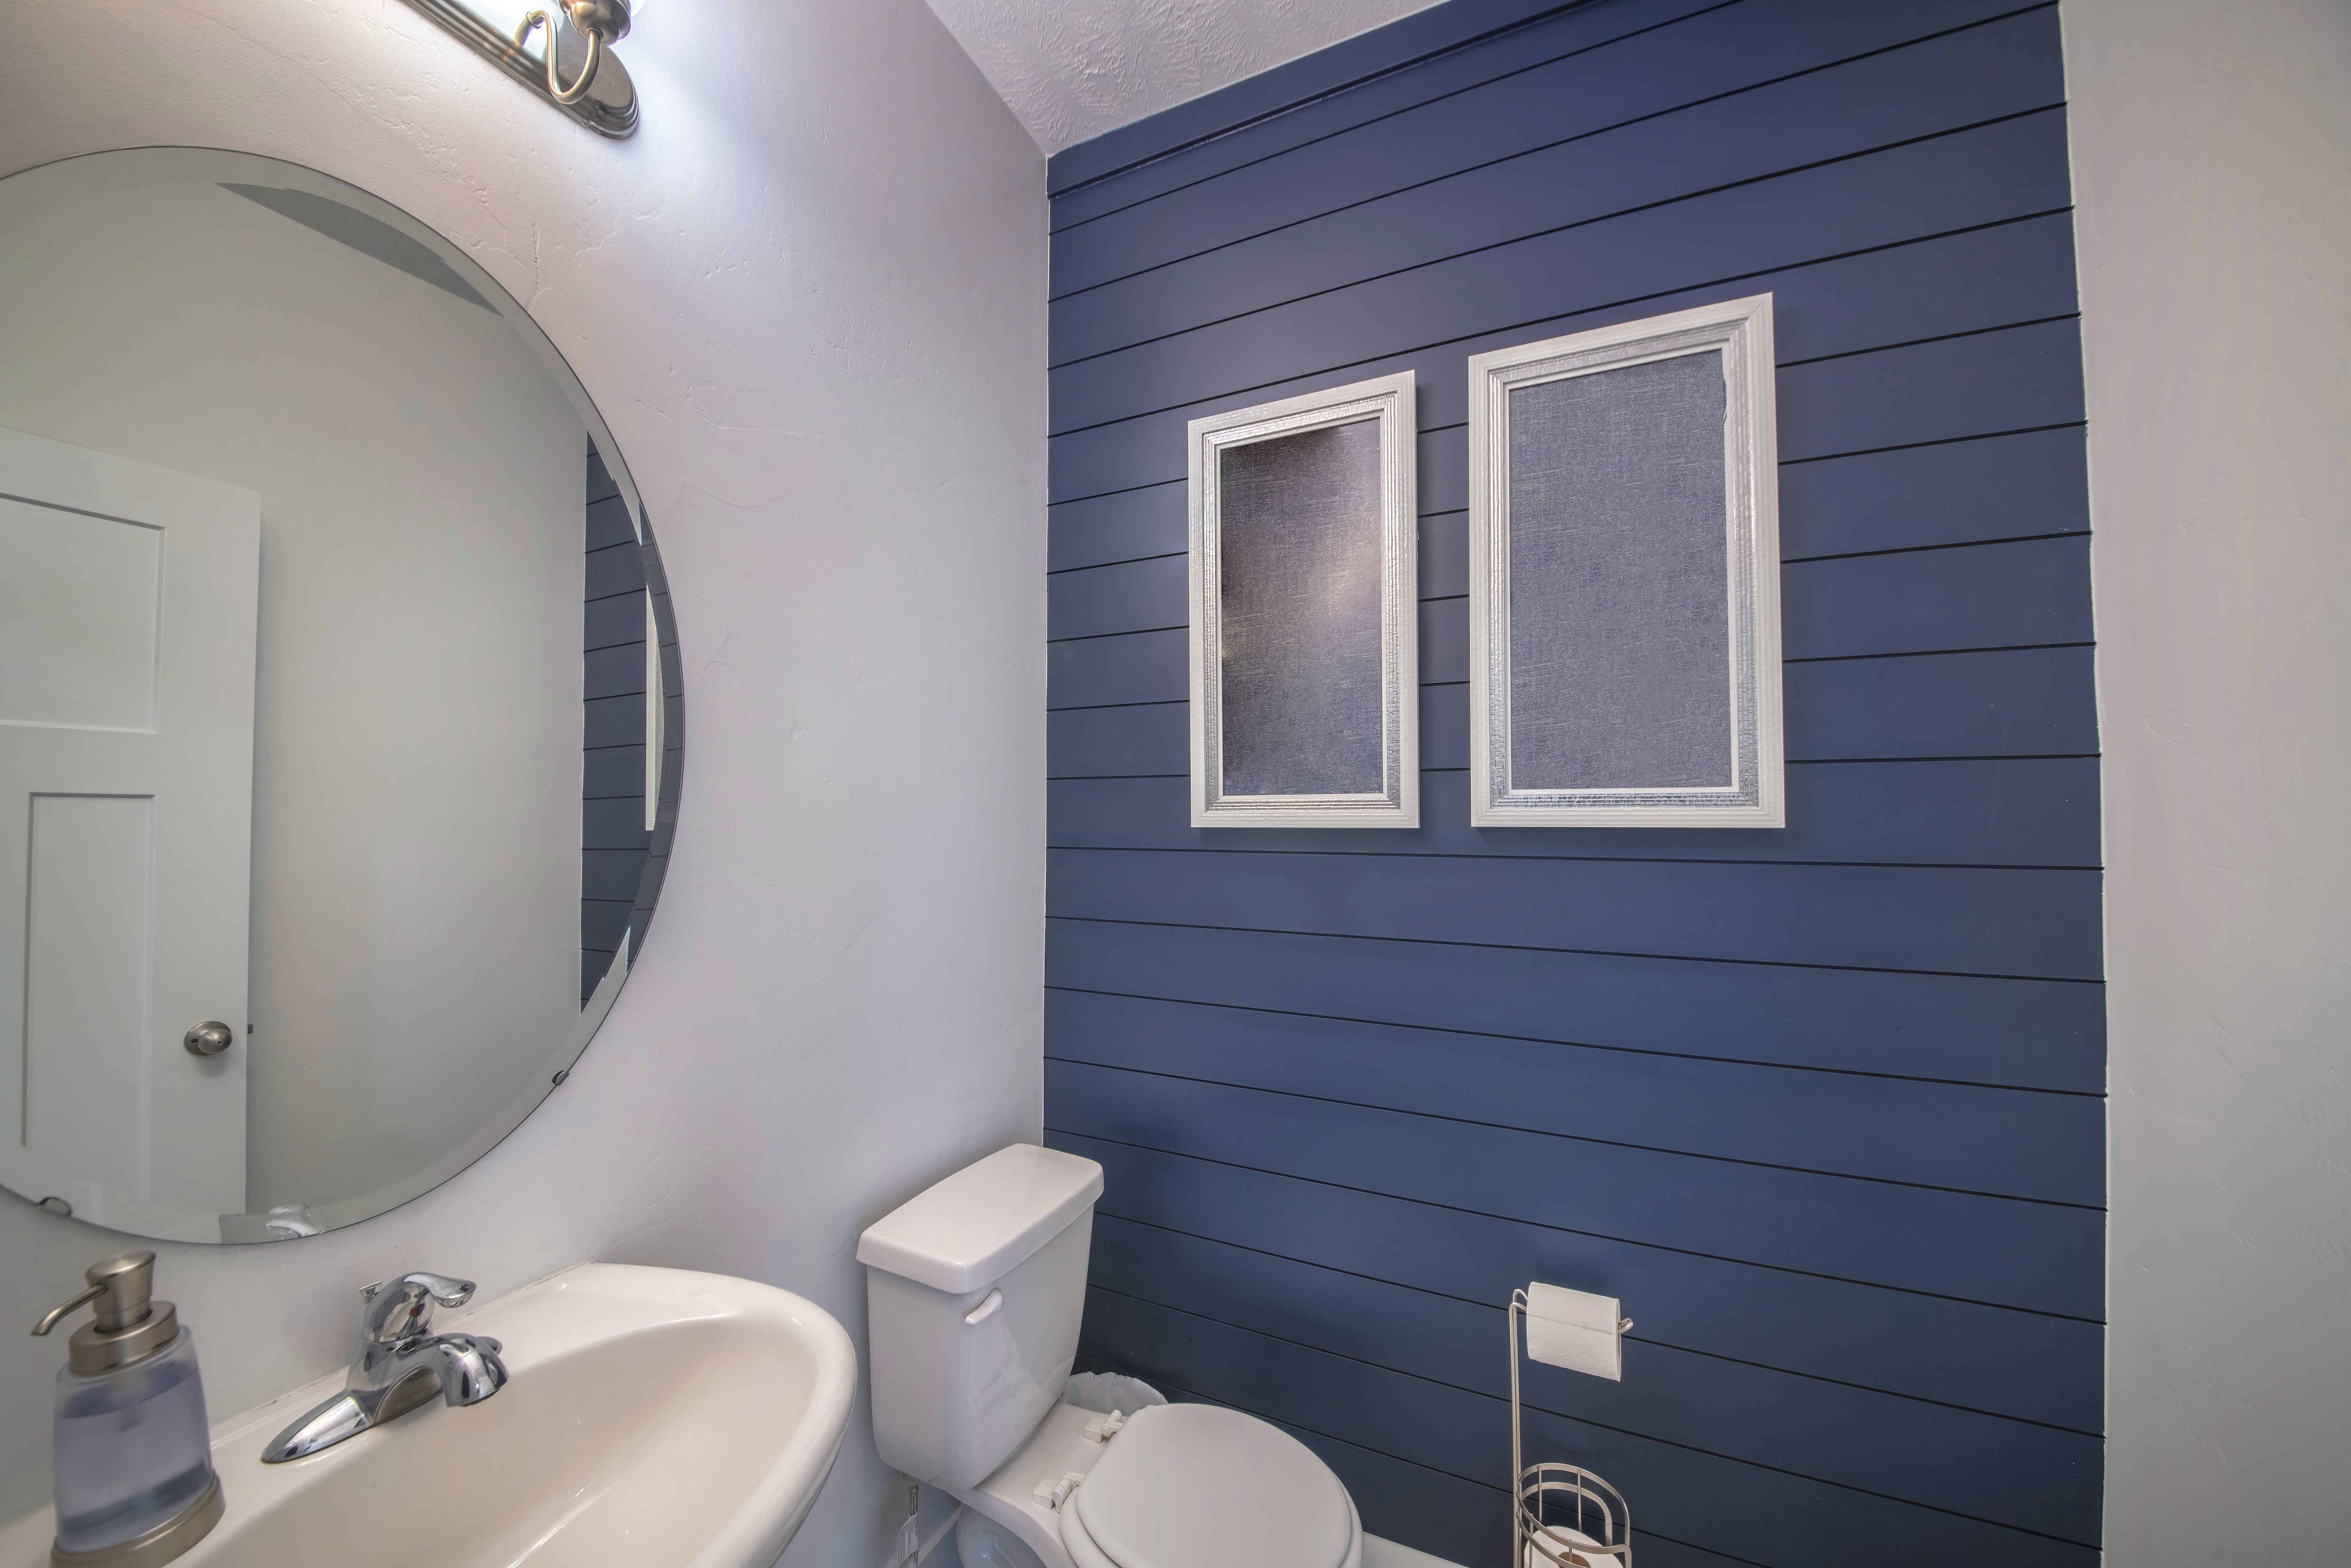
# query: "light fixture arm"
602, 99
554, 88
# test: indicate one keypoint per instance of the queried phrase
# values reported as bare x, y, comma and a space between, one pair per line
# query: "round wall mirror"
339, 713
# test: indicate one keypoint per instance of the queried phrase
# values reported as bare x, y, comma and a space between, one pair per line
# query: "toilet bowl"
975, 1292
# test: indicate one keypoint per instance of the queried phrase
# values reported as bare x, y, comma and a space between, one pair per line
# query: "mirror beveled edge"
109, 1208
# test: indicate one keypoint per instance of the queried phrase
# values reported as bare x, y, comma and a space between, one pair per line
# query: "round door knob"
209, 1038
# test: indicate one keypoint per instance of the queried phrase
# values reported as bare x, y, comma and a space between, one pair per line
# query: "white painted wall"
808, 298
416, 755
2212, 183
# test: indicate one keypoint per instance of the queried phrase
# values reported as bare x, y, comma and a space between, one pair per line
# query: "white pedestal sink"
654, 1417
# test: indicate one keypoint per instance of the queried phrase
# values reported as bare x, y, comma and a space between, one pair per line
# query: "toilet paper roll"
1575, 1329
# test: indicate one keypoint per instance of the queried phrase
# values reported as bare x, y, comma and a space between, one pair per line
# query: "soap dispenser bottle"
134, 1466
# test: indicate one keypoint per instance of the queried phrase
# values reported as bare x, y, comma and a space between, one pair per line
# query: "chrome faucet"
401, 1365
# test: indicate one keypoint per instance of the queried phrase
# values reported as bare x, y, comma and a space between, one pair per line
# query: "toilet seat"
1198, 1486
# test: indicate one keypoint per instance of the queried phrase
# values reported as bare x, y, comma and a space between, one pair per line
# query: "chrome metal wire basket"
1562, 1516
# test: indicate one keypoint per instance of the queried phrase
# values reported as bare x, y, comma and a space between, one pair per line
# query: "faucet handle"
404, 1308
449, 1292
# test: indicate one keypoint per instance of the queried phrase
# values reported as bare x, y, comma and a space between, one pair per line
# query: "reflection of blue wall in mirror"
613, 840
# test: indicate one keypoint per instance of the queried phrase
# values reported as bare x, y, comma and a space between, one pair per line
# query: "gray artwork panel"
1298, 589
1620, 638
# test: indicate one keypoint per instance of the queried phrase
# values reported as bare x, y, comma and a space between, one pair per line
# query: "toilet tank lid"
977, 1225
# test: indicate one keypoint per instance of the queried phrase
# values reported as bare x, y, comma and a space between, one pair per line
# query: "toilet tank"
974, 1290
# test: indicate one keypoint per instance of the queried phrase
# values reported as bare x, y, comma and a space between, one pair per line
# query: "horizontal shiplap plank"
615, 672
2009, 170
2009, 812
1132, 597
602, 923
1963, 79
2020, 378
1350, 84
2036, 702
2023, 1364
2037, 1257
610, 771
2008, 1142
608, 519
1124, 741
1541, 97
1121, 668
1952, 389
2030, 702
614, 721
1960, 492
1978, 596
2001, 486
1125, 526
2046, 1034
1937, 286
611, 873
614, 823
1964, 1460
1975, 921
1847, 608
615, 568
1975, 596
614, 618
1760, 1514
1443, 557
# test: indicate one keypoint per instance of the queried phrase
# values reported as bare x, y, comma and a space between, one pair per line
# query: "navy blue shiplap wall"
1822, 1105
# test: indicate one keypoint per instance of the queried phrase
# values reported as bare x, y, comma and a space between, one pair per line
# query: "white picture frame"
1631, 743
1285, 739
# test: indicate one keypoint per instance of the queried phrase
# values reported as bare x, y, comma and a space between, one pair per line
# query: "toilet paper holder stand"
1601, 1535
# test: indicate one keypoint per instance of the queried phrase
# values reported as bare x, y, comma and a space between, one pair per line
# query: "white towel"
1574, 1330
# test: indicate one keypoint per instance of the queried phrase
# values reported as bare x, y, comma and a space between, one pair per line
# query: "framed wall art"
1304, 665
1624, 577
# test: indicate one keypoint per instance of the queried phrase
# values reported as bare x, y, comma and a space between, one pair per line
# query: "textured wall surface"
1075, 68
1822, 1105
808, 298
2213, 163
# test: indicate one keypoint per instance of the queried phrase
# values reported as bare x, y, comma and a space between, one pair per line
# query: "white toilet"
975, 1289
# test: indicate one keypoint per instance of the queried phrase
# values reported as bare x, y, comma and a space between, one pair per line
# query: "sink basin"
654, 1417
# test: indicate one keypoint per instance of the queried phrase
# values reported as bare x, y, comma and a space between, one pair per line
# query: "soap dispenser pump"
135, 1486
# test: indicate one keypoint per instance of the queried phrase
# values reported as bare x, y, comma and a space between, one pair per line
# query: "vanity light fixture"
575, 68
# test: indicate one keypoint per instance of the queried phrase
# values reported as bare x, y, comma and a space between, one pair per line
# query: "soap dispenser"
134, 1465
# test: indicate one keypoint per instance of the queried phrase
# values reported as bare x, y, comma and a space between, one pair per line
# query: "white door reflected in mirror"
127, 598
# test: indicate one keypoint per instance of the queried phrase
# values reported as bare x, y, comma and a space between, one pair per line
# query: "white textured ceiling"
1075, 68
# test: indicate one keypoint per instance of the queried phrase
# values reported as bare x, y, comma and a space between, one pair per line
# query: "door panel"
79, 608
89, 983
